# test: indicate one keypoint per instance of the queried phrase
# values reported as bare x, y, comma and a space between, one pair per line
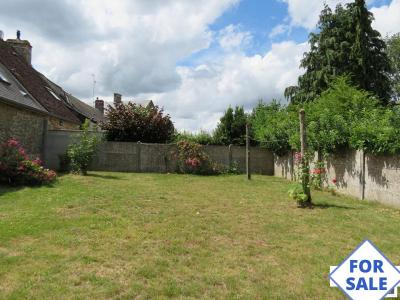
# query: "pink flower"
297, 157
12, 143
37, 161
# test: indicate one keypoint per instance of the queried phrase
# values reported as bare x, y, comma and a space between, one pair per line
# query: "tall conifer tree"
345, 43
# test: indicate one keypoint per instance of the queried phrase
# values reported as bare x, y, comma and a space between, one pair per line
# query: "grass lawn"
118, 235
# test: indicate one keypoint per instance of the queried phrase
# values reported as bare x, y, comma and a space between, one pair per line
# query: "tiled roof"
13, 93
75, 104
34, 83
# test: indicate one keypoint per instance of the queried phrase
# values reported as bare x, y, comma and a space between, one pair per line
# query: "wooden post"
304, 160
248, 171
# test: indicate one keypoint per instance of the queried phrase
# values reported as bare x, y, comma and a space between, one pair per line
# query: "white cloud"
306, 13
207, 90
278, 30
131, 46
233, 38
387, 18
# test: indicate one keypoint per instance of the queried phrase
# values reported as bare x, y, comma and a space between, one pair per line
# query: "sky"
194, 58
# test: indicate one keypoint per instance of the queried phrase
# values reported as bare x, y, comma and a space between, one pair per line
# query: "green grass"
126, 236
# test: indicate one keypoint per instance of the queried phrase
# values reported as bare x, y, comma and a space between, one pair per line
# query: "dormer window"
53, 94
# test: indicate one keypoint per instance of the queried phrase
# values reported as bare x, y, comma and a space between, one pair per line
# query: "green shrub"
202, 138
296, 193
81, 153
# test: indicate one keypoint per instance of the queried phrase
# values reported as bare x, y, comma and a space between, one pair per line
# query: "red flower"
334, 180
318, 171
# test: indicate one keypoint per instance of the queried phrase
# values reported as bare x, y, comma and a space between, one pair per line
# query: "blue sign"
366, 274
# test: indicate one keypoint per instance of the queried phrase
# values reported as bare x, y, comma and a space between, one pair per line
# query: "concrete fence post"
248, 170
139, 158
362, 174
230, 162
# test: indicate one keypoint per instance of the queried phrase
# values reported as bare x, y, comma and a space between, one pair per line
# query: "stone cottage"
21, 116
28, 95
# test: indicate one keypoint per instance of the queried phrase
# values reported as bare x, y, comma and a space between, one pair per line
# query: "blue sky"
259, 18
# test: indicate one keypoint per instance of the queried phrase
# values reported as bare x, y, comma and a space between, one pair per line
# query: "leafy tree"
345, 43
134, 123
342, 117
273, 126
232, 127
330, 118
393, 51
378, 132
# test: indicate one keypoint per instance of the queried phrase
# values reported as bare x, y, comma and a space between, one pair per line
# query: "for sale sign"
366, 274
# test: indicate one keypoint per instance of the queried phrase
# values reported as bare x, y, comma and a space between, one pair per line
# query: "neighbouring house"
21, 116
64, 110
118, 100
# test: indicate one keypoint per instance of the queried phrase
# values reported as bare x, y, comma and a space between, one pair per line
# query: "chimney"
99, 104
22, 47
117, 99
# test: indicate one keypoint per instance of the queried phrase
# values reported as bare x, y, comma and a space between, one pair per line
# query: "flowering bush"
193, 160
17, 168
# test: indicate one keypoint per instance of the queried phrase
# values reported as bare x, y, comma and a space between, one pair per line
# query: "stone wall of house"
356, 174
58, 124
24, 125
160, 158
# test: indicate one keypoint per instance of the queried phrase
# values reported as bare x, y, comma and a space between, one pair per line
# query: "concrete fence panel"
360, 175
159, 158
382, 179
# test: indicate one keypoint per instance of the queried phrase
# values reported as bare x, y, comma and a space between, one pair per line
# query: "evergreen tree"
232, 127
344, 44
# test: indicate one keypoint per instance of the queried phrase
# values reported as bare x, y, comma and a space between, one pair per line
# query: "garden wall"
160, 158
357, 174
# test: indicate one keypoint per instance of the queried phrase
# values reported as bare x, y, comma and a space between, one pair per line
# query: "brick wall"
24, 125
